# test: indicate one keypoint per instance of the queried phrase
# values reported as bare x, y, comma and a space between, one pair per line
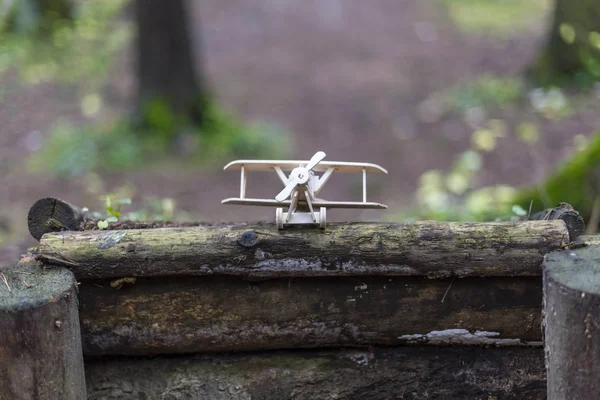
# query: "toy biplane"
301, 187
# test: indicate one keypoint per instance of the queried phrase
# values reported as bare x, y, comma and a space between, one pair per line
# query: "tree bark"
169, 87
380, 374
207, 314
564, 212
572, 323
40, 352
432, 249
562, 60
53, 215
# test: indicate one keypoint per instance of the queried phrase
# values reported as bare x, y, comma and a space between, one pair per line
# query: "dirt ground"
345, 78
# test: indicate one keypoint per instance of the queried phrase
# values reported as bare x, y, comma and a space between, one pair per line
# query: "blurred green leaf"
567, 33
497, 17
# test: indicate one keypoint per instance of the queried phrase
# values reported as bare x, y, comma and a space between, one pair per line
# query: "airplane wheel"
279, 218
323, 217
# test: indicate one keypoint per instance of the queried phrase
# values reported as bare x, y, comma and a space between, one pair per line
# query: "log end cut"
52, 215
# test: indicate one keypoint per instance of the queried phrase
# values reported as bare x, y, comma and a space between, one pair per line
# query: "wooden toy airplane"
301, 187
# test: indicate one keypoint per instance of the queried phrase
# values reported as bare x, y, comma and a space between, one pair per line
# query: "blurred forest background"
478, 109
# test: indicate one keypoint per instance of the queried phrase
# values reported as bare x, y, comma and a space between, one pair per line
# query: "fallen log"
208, 314
572, 323
432, 249
40, 351
53, 215
565, 212
424, 372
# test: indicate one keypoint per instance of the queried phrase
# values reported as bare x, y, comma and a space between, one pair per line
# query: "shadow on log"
424, 372
40, 352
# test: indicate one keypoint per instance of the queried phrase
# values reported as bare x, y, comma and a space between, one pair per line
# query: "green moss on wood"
431, 249
32, 286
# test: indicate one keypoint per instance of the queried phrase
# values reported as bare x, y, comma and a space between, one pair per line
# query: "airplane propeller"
300, 176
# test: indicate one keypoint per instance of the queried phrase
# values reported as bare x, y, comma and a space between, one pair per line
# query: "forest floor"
360, 83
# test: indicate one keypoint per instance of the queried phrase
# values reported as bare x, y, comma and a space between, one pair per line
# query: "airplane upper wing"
286, 203
288, 165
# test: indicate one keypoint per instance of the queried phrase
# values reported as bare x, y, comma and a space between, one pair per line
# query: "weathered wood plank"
380, 374
200, 314
572, 326
430, 249
40, 341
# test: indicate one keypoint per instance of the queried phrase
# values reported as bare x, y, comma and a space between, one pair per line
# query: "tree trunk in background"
572, 51
169, 90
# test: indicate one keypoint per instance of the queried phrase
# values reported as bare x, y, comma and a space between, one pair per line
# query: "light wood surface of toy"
301, 186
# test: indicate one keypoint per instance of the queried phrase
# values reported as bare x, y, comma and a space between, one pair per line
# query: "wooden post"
40, 341
572, 323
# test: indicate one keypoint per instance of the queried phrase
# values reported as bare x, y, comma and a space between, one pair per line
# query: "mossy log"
380, 374
208, 314
40, 341
572, 323
433, 249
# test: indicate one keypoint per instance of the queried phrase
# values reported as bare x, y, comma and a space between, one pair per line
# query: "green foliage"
495, 17
576, 182
158, 118
485, 91
224, 135
74, 50
71, 150
451, 196
220, 135
113, 208
454, 195
154, 209
551, 103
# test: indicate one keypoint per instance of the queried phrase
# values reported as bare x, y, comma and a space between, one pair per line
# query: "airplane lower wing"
317, 203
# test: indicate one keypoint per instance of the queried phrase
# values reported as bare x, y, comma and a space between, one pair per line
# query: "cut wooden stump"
572, 323
40, 351
425, 372
53, 215
432, 249
208, 314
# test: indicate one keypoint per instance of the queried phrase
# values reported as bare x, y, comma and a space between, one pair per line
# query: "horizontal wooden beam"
208, 314
432, 249
379, 374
